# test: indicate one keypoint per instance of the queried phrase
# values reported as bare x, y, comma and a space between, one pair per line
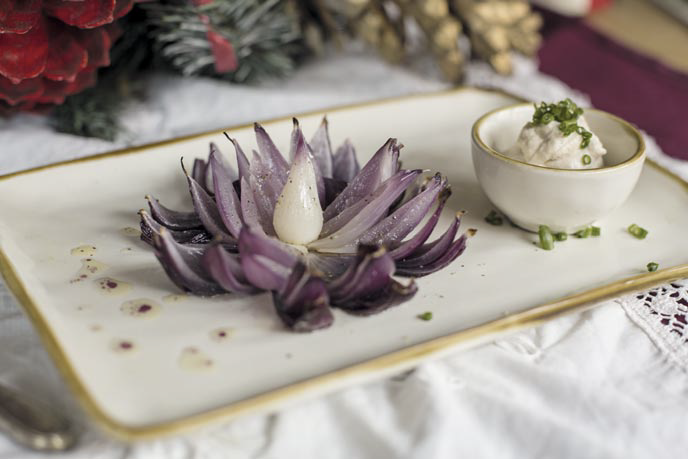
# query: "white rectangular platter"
142, 375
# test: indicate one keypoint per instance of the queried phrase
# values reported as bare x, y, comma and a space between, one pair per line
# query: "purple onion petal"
401, 222
364, 254
225, 269
392, 185
228, 203
328, 266
261, 193
207, 210
266, 190
242, 161
381, 167
221, 157
322, 149
183, 265
199, 172
273, 159
173, 219
303, 303
407, 247
368, 287
249, 209
253, 241
263, 272
358, 220
345, 165
427, 253
332, 189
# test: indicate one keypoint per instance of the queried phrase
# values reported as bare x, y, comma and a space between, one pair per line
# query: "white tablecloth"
591, 385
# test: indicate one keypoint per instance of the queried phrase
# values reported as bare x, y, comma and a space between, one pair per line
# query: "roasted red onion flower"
317, 232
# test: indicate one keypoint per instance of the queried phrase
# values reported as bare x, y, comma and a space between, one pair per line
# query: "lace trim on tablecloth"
663, 314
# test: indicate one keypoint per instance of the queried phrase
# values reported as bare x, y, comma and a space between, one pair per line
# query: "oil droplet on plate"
141, 307
193, 359
85, 250
221, 334
95, 327
175, 297
122, 345
126, 250
110, 286
130, 231
89, 267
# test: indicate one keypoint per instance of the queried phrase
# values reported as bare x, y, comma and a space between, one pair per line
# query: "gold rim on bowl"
637, 156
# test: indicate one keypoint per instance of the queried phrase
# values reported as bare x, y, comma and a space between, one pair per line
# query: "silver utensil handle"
32, 424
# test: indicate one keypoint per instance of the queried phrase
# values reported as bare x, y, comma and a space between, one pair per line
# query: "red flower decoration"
50, 49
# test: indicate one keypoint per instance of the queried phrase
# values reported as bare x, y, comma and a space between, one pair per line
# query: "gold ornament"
494, 28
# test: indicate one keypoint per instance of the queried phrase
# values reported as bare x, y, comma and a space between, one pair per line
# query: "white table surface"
590, 385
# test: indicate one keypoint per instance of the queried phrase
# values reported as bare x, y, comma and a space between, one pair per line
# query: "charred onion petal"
273, 159
149, 227
380, 168
322, 149
449, 256
303, 303
207, 210
345, 165
183, 265
428, 253
228, 203
406, 248
368, 287
392, 294
401, 222
225, 269
173, 219
363, 218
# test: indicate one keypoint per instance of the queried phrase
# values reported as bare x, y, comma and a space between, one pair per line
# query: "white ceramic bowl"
564, 199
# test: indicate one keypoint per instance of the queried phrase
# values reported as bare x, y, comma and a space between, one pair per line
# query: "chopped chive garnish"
584, 233
652, 266
566, 112
637, 231
596, 230
587, 159
493, 218
561, 236
546, 238
425, 316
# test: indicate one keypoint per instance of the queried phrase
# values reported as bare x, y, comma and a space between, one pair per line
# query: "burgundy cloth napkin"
619, 80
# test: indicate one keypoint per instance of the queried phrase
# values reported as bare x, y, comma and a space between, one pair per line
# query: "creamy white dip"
545, 145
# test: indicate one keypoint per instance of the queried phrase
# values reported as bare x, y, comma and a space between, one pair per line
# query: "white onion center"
298, 217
